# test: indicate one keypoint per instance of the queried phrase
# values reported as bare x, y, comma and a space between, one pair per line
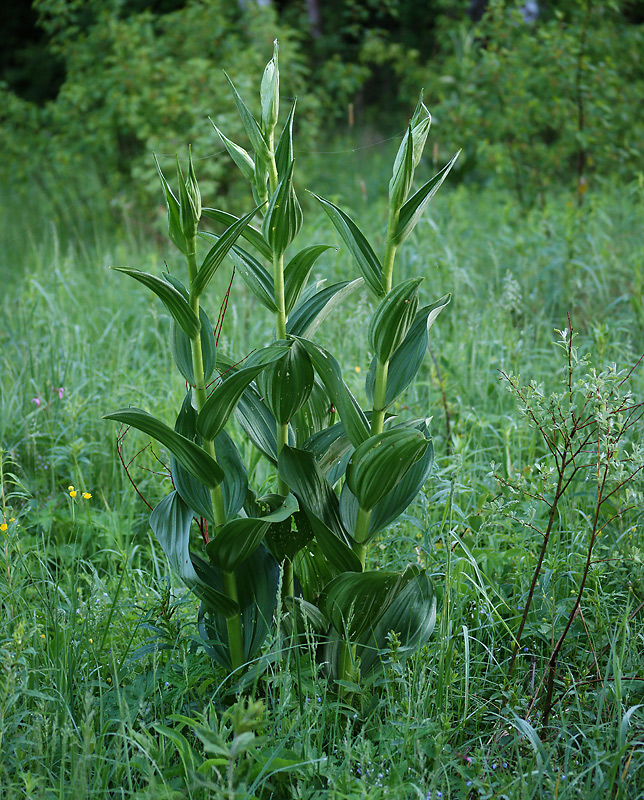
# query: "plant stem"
233, 624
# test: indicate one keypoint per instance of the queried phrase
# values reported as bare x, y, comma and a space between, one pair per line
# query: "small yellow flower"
357, 369
87, 496
3, 527
70, 488
42, 636
109, 680
73, 493
91, 641
12, 519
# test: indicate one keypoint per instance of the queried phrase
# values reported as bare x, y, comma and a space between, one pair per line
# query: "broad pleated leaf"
283, 218
297, 272
413, 209
191, 491
300, 471
180, 344
250, 124
287, 383
259, 424
284, 149
190, 455
252, 235
315, 415
393, 318
176, 304
353, 418
406, 360
286, 539
234, 486
329, 446
224, 398
339, 554
310, 314
239, 156
313, 571
411, 614
367, 261
237, 539
170, 522
174, 213
219, 251
257, 581
257, 278
354, 600
379, 463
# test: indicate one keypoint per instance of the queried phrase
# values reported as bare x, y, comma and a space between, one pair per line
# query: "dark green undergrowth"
105, 690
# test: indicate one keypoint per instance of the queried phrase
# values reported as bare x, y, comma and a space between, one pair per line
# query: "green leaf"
257, 581
270, 93
284, 150
367, 261
298, 270
189, 455
286, 384
240, 157
396, 501
413, 209
329, 446
403, 172
287, 538
406, 360
310, 314
258, 279
338, 553
379, 463
224, 398
174, 213
300, 471
234, 486
315, 415
353, 418
283, 218
252, 235
354, 600
393, 318
259, 424
189, 201
173, 300
191, 491
237, 539
420, 123
180, 344
250, 124
218, 252
411, 614
170, 522
313, 570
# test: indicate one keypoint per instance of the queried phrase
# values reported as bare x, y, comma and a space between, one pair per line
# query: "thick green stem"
288, 582
233, 624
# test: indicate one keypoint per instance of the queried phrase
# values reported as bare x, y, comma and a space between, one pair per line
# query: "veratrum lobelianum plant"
337, 483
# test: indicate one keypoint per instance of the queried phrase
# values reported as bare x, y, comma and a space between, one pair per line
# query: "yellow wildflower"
87, 496
3, 527
73, 493
42, 636
357, 369
70, 488
12, 519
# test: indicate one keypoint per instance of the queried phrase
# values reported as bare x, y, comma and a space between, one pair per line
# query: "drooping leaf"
367, 261
250, 124
354, 600
353, 418
190, 455
413, 209
224, 398
252, 235
393, 318
338, 554
379, 463
257, 582
174, 214
259, 424
219, 251
310, 314
170, 522
297, 271
406, 360
176, 304
237, 539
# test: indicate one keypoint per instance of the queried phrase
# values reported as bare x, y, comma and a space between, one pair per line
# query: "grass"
99, 651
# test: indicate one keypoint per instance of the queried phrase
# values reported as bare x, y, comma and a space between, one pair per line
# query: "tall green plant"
282, 396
